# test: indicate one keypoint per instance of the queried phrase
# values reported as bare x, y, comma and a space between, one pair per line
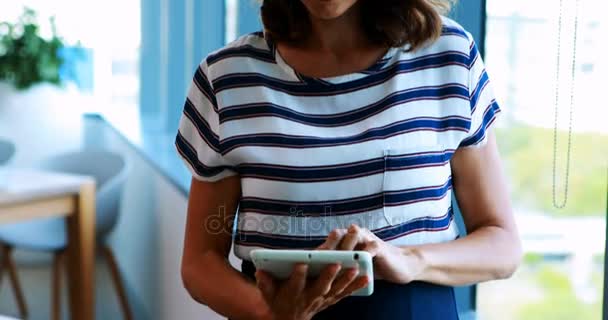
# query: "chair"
110, 172
7, 150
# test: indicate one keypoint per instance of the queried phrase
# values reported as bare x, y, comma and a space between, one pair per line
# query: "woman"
345, 125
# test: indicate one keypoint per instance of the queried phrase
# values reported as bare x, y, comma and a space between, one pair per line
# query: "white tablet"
279, 263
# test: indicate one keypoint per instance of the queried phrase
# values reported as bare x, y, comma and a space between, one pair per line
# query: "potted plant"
26, 58
34, 69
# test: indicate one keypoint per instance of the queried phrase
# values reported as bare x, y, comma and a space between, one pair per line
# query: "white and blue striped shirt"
314, 154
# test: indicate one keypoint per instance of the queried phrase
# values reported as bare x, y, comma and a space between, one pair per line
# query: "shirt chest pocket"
416, 184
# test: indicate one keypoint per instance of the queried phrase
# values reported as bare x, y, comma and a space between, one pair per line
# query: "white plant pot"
39, 97
46, 102
41, 120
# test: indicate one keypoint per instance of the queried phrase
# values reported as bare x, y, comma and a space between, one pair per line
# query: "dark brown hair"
392, 23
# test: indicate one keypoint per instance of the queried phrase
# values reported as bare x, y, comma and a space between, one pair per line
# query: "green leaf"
25, 57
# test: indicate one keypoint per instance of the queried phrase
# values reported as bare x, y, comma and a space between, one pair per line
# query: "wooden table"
31, 194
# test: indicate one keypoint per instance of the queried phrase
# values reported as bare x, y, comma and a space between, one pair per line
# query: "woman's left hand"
391, 263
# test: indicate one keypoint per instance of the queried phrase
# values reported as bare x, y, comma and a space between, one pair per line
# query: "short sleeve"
198, 138
484, 108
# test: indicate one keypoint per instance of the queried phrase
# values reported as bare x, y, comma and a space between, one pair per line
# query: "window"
124, 39
562, 273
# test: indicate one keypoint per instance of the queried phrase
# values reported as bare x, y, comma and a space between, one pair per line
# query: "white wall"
40, 122
176, 303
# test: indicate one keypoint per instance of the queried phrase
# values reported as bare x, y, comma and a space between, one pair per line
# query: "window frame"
605, 297
171, 51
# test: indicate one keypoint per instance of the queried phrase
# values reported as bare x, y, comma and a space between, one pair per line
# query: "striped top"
315, 154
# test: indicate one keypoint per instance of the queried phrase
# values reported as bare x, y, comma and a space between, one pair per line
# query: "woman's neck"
338, 36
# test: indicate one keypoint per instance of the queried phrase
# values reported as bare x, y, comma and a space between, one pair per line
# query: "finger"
358, 283
297, 281
351, 239
343, 281
324, 282
266, 285
372, 247
315, 296
318, 305
333, 240
353, 285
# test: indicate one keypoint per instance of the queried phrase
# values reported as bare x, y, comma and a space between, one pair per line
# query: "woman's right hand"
299, 298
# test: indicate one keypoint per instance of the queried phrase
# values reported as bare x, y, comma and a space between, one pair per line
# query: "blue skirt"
390, 301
